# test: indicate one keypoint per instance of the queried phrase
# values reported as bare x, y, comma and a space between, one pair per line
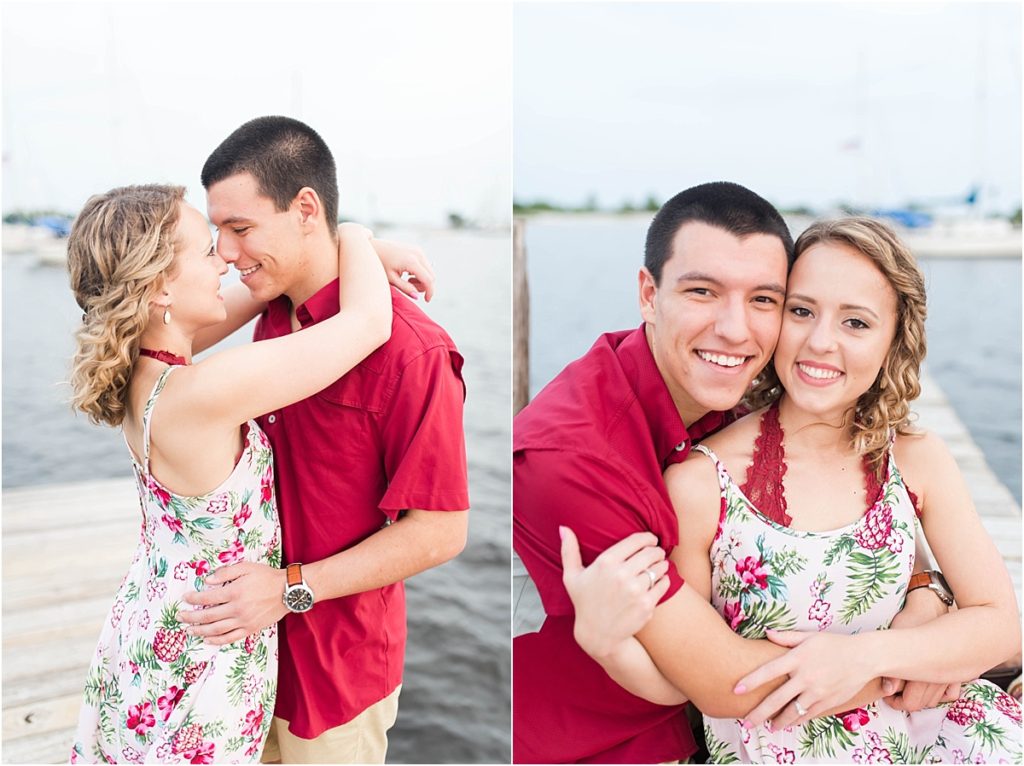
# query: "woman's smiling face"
837, 328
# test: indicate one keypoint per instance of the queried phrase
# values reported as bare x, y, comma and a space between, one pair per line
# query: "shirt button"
679, 447
273, 419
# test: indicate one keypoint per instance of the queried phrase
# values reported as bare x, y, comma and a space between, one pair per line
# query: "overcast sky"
806, 103
413, 99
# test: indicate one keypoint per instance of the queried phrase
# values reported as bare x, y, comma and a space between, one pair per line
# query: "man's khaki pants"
364, 739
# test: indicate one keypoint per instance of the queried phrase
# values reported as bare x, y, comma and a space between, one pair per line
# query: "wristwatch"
933, 581
298, 596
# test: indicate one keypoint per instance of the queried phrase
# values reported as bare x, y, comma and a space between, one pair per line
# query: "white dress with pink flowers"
765, 575
154, 694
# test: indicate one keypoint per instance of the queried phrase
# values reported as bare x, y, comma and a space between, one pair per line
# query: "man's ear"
648, 295
308, 205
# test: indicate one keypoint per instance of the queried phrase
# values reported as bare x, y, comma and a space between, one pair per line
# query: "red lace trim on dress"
874, 488
767, 469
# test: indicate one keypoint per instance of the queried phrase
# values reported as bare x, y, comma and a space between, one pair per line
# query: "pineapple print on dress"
155, 694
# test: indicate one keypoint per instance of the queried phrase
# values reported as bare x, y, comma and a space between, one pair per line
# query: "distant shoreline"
965, 239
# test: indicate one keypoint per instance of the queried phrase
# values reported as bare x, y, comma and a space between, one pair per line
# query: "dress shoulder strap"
723, 476
147, 416
706, 451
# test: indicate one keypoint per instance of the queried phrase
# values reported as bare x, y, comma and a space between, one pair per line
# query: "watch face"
299, 599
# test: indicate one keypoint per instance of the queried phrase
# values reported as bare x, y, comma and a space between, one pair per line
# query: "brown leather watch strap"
295, 574
920, 580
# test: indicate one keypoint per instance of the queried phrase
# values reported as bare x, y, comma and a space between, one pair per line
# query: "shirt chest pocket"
363, 388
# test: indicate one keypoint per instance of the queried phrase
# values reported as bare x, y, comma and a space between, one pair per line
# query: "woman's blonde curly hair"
886, 405
120, 249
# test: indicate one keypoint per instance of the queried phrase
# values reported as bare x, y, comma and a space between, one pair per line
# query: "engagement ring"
654, 579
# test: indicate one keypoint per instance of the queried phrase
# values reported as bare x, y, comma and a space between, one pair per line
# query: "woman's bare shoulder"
920, 450
925, 462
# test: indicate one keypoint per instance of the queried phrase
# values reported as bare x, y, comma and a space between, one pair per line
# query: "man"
588, 455
371, 472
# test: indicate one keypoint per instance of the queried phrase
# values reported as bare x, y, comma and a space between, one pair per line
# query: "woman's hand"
615, 596
406, 266
824, 669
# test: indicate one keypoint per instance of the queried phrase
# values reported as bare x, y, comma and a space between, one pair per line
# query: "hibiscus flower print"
141, 718
172, 522
854, 719
751, 572
162, 496
168, 701
233, 554
253, 721
734, 614
204, 753
242, 516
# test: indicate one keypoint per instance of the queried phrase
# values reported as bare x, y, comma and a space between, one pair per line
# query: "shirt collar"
322, 304
672, 439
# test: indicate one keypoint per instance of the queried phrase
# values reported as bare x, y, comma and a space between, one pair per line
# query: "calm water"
455, 700
583, 281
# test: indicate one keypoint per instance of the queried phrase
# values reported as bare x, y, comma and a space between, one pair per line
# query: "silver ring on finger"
654, 578
800, 708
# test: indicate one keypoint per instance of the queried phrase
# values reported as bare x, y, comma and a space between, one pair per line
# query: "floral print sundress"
154, 694
848, 580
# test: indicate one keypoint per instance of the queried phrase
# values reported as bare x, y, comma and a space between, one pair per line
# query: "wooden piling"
520, 319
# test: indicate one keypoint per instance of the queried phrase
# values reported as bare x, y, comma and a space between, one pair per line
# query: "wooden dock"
66, 547
997, 507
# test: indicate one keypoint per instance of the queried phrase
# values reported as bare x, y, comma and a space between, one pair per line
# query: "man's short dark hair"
725, 205
283, 155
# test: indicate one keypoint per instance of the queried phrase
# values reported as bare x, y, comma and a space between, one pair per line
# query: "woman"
147, 275
820, 537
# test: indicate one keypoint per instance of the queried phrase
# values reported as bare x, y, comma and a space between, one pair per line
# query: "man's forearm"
697, 652
416, 542
631, 667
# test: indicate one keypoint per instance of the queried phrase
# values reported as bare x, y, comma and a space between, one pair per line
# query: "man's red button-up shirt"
385, 437
588, 453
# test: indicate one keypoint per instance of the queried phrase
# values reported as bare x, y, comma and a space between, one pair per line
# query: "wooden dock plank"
46, 747
41, 717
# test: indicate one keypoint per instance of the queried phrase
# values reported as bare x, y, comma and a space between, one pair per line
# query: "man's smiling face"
714, 320
261, 241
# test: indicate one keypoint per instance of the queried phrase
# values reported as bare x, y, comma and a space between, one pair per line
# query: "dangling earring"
167, 316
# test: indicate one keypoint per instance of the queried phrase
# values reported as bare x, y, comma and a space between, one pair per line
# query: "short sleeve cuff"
675, 582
